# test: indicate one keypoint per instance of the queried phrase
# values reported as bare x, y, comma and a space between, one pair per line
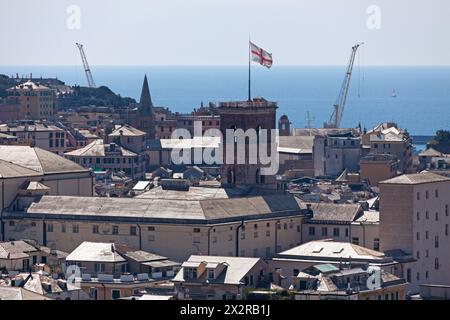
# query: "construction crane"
87, 70
336, 117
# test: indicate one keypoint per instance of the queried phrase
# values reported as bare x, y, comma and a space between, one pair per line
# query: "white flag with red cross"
260, 55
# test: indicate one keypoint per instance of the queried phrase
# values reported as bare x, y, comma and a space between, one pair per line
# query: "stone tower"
144, 117
284, 125
252, 114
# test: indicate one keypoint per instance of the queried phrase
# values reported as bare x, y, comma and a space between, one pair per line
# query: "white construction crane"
87, 70
336, 117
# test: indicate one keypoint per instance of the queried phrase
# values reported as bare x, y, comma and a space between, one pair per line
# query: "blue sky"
215, 32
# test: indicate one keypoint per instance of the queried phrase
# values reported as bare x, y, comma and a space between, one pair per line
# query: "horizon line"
221, 65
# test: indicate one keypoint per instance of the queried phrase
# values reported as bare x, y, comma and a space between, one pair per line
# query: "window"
75, 228
115, 230
336, 232
418, 196
196, 240
427, 274
408, 275
427, 194
214, 239
426, 253
324, 231
346, 232
267, 252
436, 241
285, 226
230, 237
427, 215
242, 236
436, 263
95, 229
298, 228
115, 294
255, 226
210, 273
255, 235
11, 223
100, 267
355, 240
268, 225
426, 234
312, 231
436, 216
63, 227
151, 228
133, 231
196, 230
255, 252
268, 233
376, 244
436, 193
151, 237
446, 229
446, 210
418, 255
49, 227
418, 215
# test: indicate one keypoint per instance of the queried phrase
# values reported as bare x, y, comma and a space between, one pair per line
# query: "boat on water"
394, 94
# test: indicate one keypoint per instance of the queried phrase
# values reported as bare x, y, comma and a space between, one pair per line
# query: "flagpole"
249, 72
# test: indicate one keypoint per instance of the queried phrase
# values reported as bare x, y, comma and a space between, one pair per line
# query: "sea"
306, 94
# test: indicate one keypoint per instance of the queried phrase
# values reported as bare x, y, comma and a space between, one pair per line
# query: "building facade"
414, 221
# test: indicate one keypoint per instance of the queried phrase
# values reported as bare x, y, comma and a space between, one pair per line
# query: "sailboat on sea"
394, 94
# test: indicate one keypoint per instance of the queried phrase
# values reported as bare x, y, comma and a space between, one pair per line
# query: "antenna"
309, 120
87, 70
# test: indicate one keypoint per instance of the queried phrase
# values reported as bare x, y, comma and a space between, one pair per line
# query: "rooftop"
194, 193
296, 144
98, 148
37, 160
127, 131
95, 252
430, 152
334, 212
200, 210
332, 251
237, 268
15, 249
416, 178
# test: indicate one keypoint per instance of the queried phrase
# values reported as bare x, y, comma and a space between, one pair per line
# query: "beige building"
23, 256
218, 277
172, 227
38, 134
32, 172
387, 138
377, 167
288, 264
109, 156
35, 100
295, 155
328, 282
335, 152
342, 222
414, 222
106, 271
